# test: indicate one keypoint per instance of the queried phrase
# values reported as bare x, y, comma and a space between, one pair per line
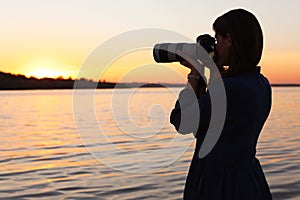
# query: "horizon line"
133, 82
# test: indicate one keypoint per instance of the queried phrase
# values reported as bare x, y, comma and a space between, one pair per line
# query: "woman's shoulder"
251, 80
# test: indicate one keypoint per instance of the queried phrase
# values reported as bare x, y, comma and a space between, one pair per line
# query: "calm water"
122, 150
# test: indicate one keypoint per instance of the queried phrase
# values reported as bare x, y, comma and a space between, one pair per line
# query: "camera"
168, 52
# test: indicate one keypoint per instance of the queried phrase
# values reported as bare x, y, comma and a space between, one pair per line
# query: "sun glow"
47, 67
45, 73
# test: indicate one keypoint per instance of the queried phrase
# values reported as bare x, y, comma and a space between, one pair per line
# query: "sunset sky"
54, 37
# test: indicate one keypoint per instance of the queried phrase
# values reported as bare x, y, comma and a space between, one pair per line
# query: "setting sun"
45, 73
47, 67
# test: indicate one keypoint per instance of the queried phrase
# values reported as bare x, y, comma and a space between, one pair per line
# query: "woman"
230, 170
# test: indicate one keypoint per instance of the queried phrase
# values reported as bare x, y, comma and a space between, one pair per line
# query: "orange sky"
281, 67
54, 38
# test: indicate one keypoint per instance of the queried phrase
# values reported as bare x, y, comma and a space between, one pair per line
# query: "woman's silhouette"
230, 171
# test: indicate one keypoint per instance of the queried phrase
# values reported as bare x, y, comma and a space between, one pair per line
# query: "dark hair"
246, 39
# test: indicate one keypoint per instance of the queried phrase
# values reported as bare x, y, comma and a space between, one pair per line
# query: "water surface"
43, 156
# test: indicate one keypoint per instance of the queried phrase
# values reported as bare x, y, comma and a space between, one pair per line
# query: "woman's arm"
193, 103
191, 114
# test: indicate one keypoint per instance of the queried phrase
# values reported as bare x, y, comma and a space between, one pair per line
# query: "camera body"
168, 52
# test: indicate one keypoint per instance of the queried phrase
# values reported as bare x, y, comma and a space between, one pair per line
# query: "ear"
228, 40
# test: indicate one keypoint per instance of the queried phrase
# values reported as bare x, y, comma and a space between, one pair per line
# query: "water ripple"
43, 157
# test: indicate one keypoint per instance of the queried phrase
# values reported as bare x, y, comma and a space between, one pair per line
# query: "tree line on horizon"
10, 81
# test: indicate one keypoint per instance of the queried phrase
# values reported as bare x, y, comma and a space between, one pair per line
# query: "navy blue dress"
230, 171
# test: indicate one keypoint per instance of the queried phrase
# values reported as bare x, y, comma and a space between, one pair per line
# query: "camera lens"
165, 52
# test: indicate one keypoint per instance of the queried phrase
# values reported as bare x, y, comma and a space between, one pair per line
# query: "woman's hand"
192, 82
194, 71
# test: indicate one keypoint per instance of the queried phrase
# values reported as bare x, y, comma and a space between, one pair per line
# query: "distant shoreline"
20, 82
285, 85
124, 87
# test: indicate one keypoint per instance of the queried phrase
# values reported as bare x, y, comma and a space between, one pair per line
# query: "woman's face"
223, 49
